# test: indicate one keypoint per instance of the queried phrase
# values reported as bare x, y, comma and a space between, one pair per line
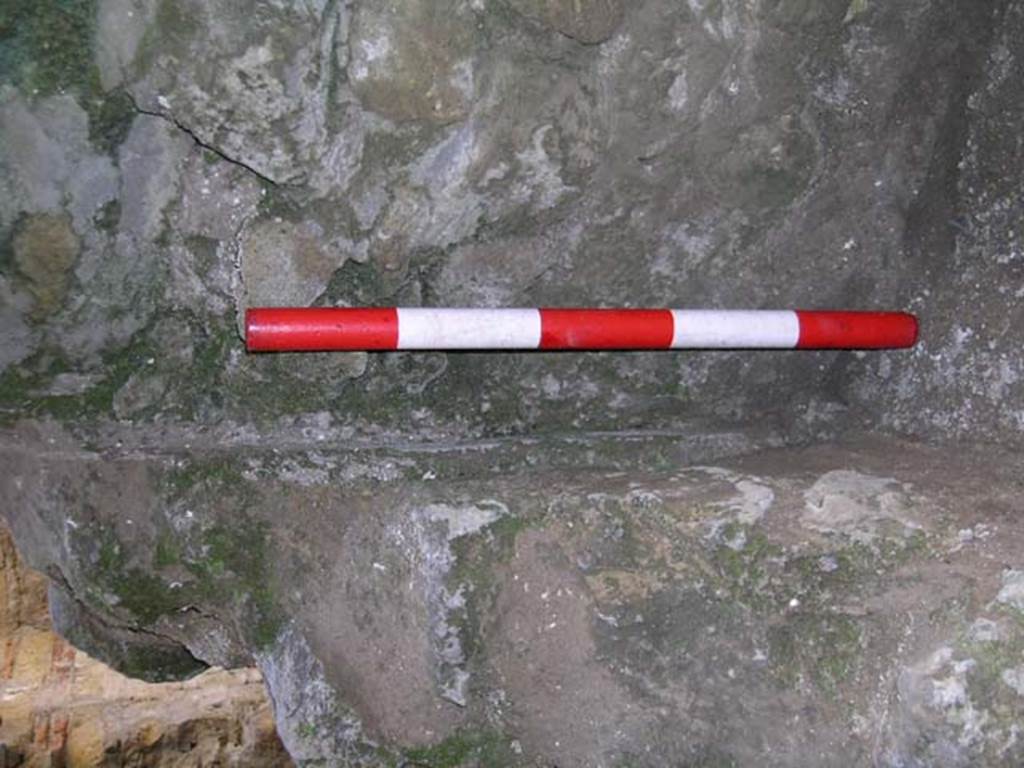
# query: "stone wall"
165, 166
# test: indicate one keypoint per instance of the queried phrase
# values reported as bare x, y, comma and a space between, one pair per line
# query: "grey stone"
121, 27
48, 162
285, 264
16, 337
580, 609
412, 60
589, 21
140, 393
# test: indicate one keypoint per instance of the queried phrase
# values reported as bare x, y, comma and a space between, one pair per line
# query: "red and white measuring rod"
321, 329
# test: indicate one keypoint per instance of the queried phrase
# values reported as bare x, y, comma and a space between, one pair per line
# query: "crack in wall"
169, 118
121, 630
234, 246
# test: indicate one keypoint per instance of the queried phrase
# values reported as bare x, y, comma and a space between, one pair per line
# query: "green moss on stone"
23, 387
118, 366
16, 387
212, 350
158, 664
207, 472
743, 570
356, 284
46, 48
45, 45
168, 551
109, 557
230, 566
110, 114
200, 387
276, 201
476, 558
192, 391
815, 644
234, 566
993, 658
484, 748
108, 216
824, 648
143, 595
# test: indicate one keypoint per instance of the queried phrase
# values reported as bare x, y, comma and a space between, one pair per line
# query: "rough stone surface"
966, 249
655, 603
412, 60
589, 21
45, 249
61, 707
818, 153
364, 526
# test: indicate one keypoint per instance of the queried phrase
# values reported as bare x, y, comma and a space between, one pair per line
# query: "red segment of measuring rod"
856, 330
606, 328
280, 329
